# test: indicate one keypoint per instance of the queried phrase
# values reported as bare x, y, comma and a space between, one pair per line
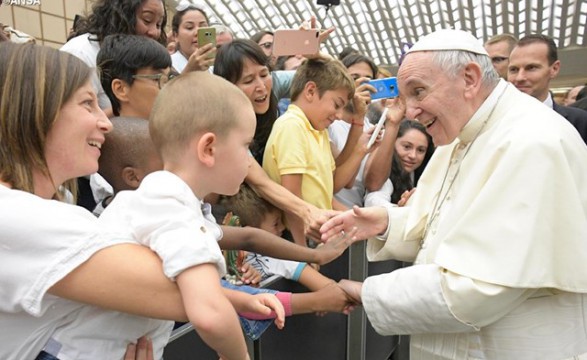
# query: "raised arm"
378, 165
311, 217
265, 243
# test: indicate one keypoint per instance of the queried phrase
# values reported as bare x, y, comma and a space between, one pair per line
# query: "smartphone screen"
207, 35
296, 42
386, 88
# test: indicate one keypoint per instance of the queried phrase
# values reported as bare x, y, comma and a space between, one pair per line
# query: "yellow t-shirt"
295, 147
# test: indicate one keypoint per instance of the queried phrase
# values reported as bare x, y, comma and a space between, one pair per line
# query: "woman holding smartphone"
189, 56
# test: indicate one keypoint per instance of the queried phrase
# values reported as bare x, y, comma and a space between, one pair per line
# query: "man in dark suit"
533, 63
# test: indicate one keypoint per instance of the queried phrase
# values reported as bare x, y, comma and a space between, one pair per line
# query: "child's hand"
250, 275
335, 299
334, 247
142, 350
264, 304
352, 289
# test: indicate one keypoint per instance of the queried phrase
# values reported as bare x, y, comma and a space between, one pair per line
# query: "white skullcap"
449, 39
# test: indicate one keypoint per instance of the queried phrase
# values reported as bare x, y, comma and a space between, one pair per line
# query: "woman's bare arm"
311, 217
127, 278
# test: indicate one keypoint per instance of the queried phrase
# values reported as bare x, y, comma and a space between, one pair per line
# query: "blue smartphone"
386, 88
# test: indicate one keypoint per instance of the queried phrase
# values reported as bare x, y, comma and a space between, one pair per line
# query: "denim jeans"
252, 328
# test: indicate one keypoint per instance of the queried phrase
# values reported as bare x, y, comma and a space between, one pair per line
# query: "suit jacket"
576, 116
581, 104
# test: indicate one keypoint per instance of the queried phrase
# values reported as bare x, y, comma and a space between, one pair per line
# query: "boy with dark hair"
132, 70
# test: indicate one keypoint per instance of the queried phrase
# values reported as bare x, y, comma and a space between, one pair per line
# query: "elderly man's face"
530, 71
432, 98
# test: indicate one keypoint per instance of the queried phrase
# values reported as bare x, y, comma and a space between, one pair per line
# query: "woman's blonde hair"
35, 82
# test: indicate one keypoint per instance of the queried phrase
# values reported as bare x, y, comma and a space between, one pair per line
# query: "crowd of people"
140, 171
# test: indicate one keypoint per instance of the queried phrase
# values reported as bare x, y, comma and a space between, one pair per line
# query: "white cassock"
500, 270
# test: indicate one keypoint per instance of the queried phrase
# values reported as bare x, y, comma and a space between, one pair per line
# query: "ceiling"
380, 28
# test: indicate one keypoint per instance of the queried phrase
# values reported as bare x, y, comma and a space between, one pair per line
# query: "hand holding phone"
377, 128
207, 35
385, 88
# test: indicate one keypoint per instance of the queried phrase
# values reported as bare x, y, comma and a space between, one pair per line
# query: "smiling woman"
243, 63
413, 149
52, 133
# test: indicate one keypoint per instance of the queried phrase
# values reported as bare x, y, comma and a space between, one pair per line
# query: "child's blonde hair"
191, 104
328, 74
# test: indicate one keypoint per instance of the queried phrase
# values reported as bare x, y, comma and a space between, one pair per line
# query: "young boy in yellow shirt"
298, 154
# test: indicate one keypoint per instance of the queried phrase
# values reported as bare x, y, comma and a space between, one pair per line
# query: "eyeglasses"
498, 59
161, 78
267, 45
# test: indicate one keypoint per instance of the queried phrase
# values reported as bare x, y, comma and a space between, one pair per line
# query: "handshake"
343, 297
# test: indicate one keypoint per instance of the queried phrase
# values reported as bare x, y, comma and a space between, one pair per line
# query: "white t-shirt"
178, 61
162, 213
165, 215
41, 242
86, 47
338, 132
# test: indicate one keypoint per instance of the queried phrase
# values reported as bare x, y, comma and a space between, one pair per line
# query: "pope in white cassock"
497, 229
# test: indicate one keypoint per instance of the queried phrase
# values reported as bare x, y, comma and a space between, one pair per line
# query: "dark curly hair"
111, 17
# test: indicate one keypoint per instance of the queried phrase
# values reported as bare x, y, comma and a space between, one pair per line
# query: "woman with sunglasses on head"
189, 56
